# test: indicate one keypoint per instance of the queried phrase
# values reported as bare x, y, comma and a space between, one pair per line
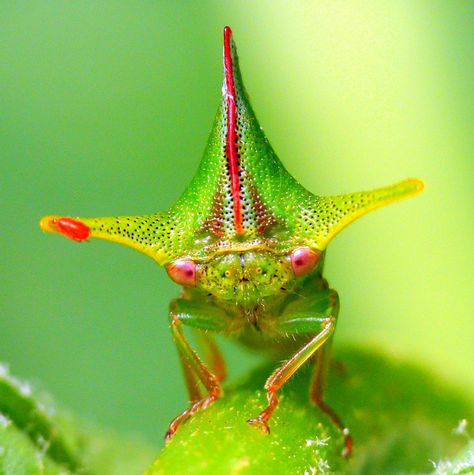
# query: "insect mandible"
246, 242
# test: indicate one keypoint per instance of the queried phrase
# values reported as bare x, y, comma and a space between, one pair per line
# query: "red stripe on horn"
231, 151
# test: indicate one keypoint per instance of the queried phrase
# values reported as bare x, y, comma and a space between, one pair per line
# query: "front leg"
200, 316
325, 327
315, 315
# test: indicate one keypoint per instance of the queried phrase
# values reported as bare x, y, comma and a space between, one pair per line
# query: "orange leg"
284, 373
317, 391
194, 371
192, 383
212, 355
315, 312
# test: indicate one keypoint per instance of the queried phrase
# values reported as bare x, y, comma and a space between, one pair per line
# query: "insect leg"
316, 312
202, 317
192, 383
306, 316
317, 391
212, 354
325, 327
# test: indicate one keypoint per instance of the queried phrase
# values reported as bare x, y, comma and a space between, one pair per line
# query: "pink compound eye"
183, 272
304, 260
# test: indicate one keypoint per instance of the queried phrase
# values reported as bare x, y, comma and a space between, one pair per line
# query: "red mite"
71, 228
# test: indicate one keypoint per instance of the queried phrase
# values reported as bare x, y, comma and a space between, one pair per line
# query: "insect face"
245, 277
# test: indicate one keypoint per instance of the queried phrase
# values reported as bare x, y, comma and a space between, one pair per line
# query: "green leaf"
462, 464
401, 420
19, 456
36, 438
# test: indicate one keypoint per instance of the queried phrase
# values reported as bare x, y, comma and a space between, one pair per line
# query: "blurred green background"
105, 108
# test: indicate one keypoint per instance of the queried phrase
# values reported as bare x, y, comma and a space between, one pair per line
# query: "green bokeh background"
105, 108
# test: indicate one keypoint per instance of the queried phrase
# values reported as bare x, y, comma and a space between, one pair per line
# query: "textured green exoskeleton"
246, 241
